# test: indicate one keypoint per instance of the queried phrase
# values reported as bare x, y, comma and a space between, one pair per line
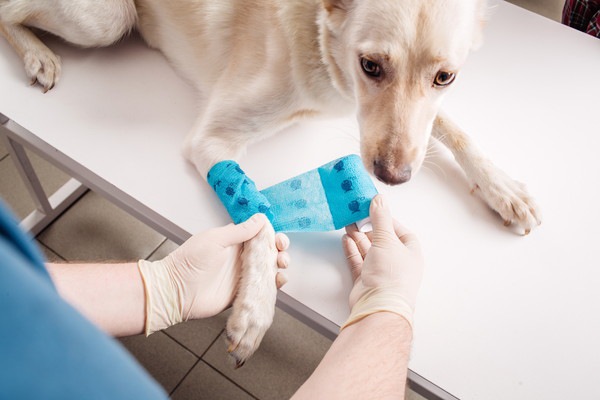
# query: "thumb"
381, 217
235, 234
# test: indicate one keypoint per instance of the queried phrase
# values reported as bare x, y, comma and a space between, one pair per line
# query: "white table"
499, 316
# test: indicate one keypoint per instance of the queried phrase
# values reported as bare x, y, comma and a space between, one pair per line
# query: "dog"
264, 64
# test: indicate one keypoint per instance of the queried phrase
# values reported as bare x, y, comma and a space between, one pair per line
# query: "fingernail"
378, 201
283, 242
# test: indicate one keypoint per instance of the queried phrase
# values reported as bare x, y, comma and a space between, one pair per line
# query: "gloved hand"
386, 264
200, 278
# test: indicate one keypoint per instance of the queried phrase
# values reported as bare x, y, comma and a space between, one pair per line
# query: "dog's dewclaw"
231, 348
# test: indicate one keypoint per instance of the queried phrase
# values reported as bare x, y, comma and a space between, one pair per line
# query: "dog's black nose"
391, 175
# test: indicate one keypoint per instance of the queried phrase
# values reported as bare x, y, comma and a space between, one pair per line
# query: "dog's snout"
391, 175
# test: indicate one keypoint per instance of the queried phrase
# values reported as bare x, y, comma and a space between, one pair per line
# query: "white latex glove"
201, 277
386, 264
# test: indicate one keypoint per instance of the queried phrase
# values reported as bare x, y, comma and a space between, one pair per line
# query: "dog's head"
397, 59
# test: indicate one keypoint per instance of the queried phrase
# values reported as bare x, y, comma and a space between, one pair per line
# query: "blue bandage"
327, 198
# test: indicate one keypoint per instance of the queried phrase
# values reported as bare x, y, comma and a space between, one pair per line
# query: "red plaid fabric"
583, 15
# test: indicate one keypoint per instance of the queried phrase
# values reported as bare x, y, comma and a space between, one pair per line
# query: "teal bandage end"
237, 192
349, 190
327, 198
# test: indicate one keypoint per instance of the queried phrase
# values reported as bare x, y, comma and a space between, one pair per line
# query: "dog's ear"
336, 13
336, 5
482, 13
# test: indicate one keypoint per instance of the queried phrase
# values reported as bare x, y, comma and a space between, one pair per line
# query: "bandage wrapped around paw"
387, 265
323, 199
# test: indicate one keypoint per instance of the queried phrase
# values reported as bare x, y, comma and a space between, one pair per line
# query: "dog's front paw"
42, 66
508, 198
254, 305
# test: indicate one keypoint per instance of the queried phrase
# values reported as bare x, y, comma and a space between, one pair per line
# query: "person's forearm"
368, 360
110, 295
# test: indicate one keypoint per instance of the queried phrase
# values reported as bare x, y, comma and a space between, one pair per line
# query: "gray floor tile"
198, 335
3, 150
206, 383
13, 190
49, 254
548, 8
287, 356
51, 177
164, 359
410, 395
93, 229
163, 250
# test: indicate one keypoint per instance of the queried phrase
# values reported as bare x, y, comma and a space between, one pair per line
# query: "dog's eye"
444, 78
371, 68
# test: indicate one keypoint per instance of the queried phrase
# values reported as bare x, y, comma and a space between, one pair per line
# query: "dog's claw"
508, 198
527, 231
42, 67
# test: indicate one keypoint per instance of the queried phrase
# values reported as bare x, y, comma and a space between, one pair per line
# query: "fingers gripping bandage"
327, 198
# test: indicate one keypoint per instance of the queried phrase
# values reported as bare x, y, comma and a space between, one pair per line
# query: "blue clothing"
47, 349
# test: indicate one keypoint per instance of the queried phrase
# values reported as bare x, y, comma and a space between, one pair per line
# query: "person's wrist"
163, 303
381, 299
388, 318
384, 322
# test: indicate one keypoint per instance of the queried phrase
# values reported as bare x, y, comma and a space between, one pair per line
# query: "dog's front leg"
41, 64
504, 195
254, 305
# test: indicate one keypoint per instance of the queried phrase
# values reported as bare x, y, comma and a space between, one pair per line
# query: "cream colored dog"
264, 64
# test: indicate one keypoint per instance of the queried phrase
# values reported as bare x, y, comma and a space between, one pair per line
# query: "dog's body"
262, 65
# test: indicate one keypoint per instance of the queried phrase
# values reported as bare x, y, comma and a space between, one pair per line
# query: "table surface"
499, 315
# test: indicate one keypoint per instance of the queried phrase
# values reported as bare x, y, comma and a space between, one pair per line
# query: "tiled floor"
548, 8
189, 359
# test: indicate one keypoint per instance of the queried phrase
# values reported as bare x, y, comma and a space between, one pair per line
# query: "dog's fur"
263, 64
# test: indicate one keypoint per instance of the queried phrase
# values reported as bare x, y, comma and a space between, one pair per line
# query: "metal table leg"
47, 208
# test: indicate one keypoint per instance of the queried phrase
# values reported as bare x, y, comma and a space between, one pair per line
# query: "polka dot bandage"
326, 198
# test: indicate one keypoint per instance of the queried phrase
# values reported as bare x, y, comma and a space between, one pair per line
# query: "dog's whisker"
437, 167
433, 171
432, 152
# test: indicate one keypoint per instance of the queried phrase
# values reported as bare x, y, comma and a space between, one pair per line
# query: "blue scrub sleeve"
48, 350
